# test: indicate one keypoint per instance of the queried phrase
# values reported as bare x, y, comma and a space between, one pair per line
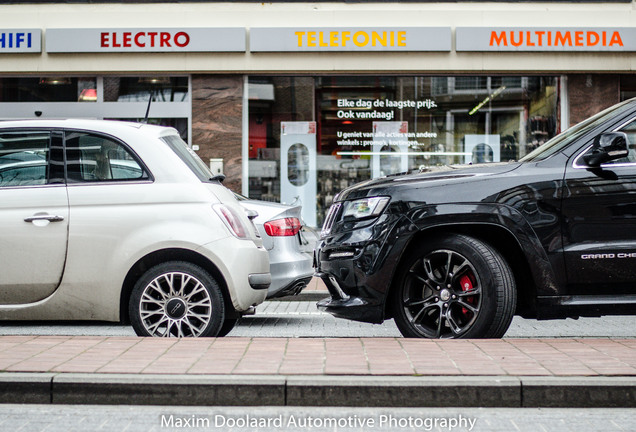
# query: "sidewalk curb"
106, 389
401, 391
352, 391
579, 392
26, 388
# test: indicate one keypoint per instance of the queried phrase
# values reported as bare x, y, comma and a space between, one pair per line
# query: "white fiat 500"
115, 221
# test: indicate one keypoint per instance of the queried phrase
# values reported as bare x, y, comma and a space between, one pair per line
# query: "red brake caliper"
467, 284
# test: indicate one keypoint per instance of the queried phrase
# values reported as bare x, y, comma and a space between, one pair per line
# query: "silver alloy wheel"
175, 304
442, 296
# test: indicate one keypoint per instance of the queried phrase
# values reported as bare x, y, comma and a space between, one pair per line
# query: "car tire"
454, 286
176, 299
228, 326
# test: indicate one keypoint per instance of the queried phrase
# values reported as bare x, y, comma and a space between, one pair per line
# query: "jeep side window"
630, 131
563, 140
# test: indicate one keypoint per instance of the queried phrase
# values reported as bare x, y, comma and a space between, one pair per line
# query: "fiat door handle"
50, 218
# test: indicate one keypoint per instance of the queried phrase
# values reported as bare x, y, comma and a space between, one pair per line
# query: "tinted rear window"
187, 155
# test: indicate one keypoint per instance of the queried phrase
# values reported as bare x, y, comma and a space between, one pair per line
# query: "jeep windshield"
570, 135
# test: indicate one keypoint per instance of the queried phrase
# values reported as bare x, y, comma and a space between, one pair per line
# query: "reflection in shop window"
470, 83
298, 164
48, 89
180, 124
140, 89
371, 126
627, 87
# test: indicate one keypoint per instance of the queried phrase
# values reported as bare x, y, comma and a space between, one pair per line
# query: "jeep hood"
434, 176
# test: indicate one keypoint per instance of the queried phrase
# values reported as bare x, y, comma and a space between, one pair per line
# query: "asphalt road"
302, 319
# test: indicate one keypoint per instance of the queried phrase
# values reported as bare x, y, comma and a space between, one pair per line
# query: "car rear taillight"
232, 220
282, 227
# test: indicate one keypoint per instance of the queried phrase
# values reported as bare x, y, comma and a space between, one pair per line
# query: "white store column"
298, 167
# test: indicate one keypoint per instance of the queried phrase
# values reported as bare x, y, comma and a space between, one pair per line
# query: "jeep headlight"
365, 207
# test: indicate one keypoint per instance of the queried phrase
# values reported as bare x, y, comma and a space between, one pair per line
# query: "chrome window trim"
33, 186
110, 182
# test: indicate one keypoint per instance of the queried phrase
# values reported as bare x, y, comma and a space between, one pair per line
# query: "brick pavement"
316, 284
313, 356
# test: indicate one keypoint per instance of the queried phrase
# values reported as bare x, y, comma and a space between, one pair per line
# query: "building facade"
296, 101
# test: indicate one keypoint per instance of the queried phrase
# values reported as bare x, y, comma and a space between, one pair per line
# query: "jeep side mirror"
607, 147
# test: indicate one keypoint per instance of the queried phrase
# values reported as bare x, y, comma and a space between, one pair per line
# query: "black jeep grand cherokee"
456, 254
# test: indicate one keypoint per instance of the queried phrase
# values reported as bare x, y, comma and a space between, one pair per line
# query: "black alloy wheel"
454, 286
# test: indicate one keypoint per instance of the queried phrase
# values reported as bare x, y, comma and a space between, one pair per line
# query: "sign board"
561, 39
482, 149
389, 137
314, 39
145, 40
298, 167
20, 41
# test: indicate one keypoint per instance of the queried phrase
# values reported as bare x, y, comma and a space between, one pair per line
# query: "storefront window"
124, 98
139, 89
274, 102
356, 128
48, 89
627, 86
180, 124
